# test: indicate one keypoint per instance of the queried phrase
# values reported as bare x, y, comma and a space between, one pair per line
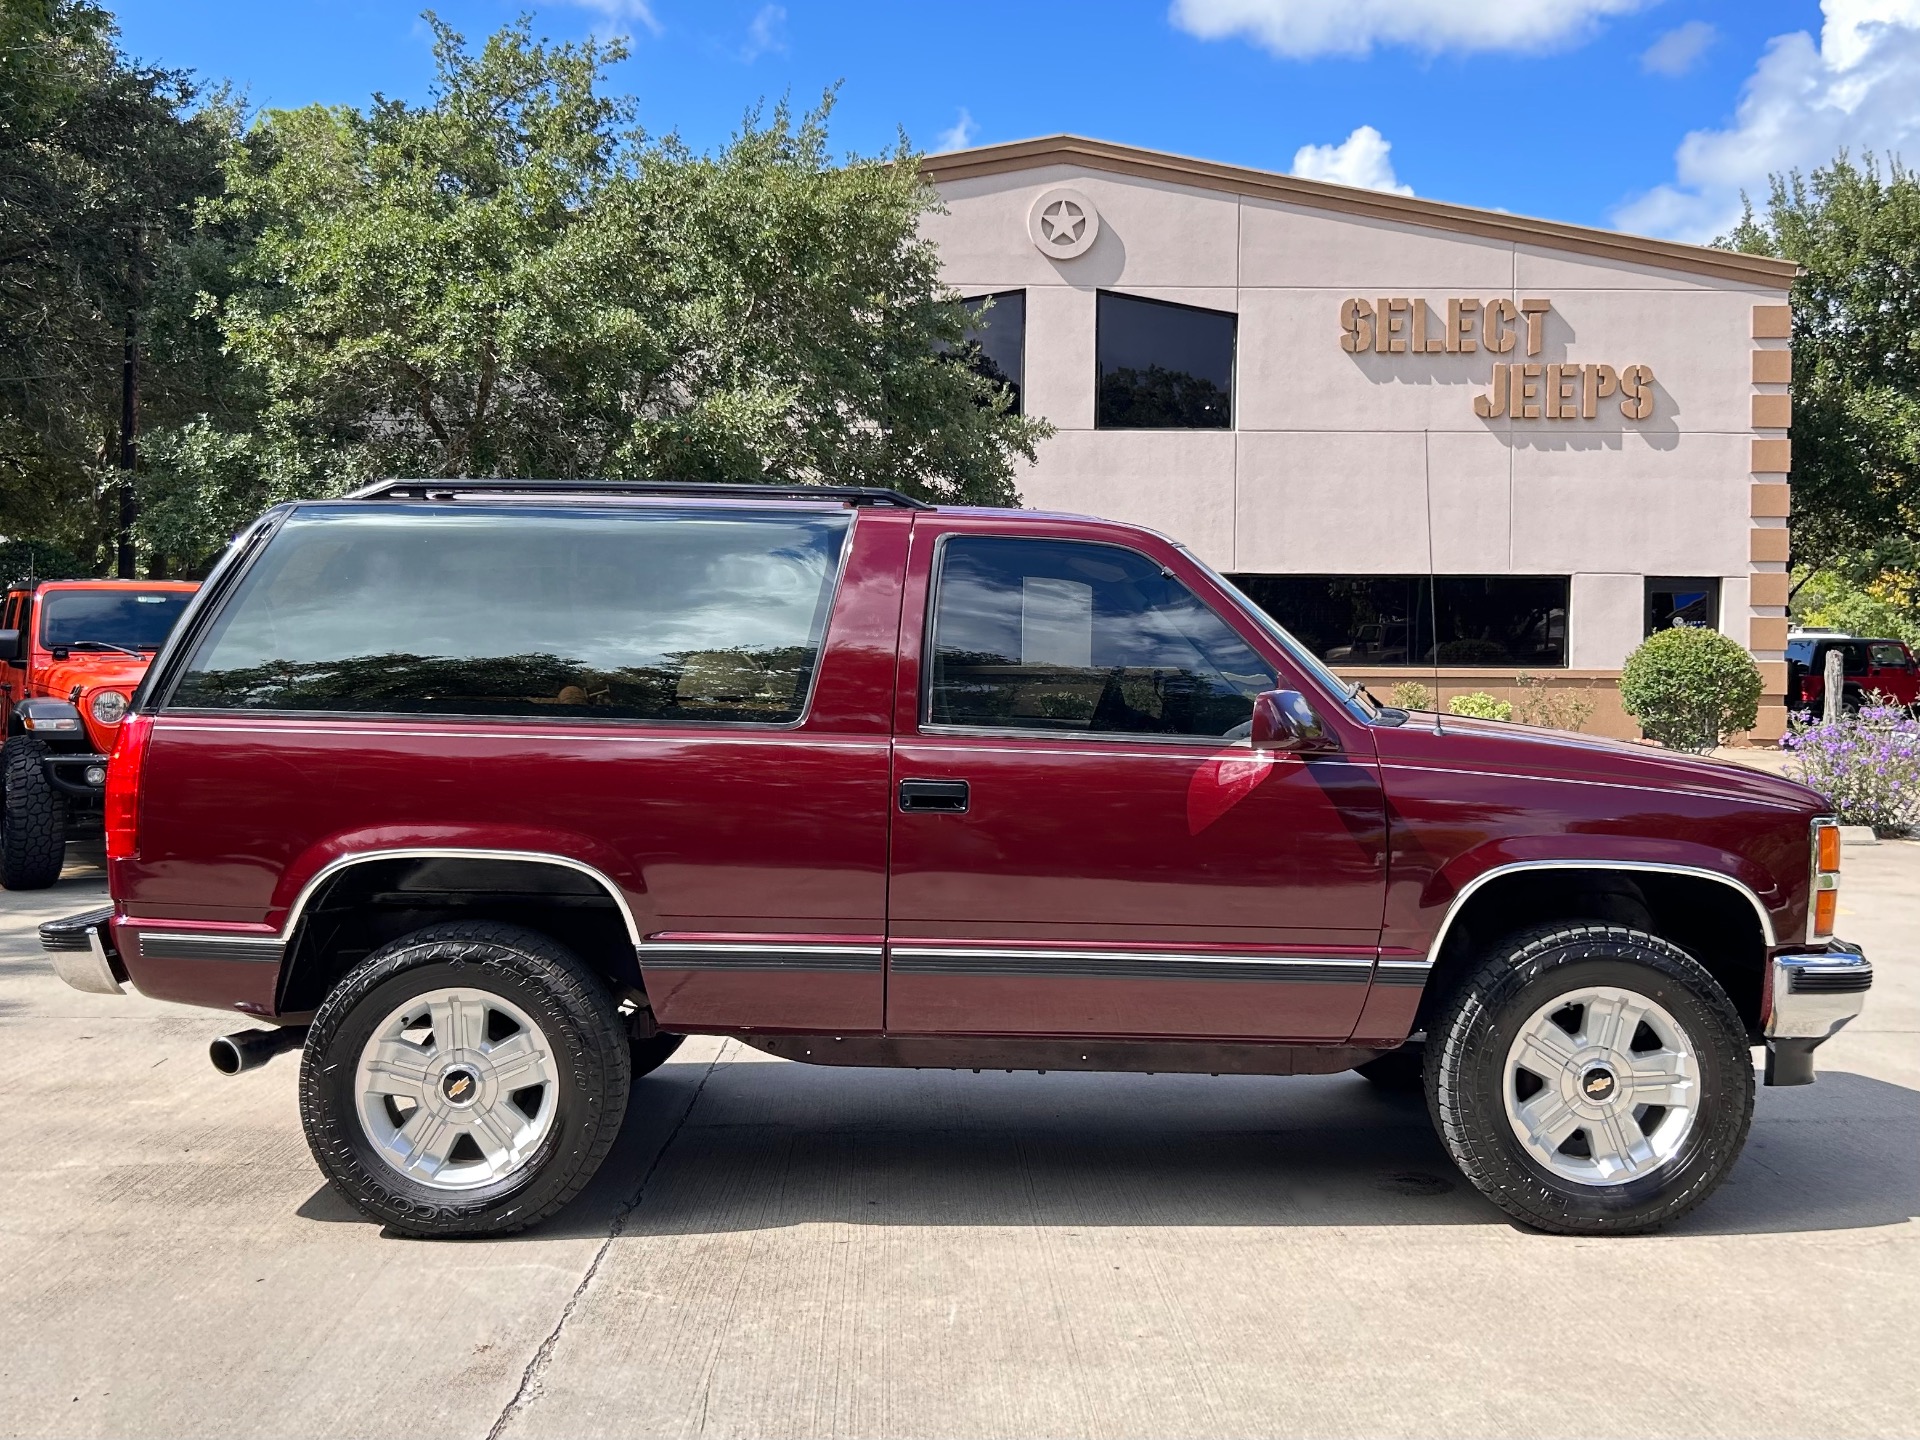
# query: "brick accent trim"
1767, 545
1772, 502
1772, 412
1773, 322
1773, 367
1768, 632
1768, 587
1772, 457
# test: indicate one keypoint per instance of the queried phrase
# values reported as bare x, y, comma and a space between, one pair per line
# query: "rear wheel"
466, 1079
33, 817
1591, 1079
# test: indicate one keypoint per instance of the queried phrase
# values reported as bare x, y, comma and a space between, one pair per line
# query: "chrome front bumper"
83, 953
1812, 996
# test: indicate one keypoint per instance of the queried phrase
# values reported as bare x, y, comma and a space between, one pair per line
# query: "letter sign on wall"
1519, 389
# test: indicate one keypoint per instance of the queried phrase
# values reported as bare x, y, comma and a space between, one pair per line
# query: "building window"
1067, 636
1367, 621
996, 341
1689, 602
1162, 366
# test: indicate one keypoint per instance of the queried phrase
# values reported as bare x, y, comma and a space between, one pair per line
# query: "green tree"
510, 280
1691, 688
102, 163
1854, 230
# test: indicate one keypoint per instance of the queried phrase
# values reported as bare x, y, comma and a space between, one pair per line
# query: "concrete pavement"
776, 1249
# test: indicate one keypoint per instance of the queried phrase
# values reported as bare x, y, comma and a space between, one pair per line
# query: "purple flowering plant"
1867, 764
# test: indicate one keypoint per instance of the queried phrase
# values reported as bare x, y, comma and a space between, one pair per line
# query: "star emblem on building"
1063, 221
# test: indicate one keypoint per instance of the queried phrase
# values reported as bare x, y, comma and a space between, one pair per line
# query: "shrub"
1867, 764
1691, 688
1551, 709
1480, 706
1410, 695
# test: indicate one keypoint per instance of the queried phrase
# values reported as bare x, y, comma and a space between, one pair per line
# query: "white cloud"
1361, 159
1679, 50
1302, 28
1859, 88
763, 32
959, 135
622, 15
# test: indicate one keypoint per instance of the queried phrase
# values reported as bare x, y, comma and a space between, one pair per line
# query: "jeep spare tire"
466, 1079
33, 818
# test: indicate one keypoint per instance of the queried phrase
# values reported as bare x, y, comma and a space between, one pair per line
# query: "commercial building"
1440, 444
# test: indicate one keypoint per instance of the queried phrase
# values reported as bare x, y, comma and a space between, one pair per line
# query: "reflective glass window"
109, 619
623, 613
1064, 636
1368, 621
1162, 366
1672, 602
996, 341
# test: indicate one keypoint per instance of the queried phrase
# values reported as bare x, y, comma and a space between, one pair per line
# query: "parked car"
1871, 667
485, 794
71, 654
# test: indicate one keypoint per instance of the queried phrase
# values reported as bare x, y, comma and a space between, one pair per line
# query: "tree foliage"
102, 162
1691, 688
508, 281
1854, 229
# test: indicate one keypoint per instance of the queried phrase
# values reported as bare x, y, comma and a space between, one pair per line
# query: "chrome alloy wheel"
456, 1088
1602, 1086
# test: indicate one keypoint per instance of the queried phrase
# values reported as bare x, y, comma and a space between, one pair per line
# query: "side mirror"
1282, 720
10, 647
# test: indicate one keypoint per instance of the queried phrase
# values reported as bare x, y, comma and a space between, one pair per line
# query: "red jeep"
71, 654
1884, 668
487, 793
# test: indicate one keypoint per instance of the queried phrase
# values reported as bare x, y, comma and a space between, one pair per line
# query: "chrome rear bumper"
82, 952
1811, 997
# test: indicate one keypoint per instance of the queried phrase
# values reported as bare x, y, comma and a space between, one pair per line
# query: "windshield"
1357, 699
113, 619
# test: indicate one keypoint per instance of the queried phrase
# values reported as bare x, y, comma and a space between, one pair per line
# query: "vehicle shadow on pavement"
770, 1145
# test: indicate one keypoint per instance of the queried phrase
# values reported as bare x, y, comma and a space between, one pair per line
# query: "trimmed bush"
1691, 688
1410, 695
1480, 706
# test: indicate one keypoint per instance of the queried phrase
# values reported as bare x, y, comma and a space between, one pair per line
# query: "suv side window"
1889, 657
1058, 635
621, 613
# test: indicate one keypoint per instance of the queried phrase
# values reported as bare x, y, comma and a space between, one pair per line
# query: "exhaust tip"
249, 1049
226, 1055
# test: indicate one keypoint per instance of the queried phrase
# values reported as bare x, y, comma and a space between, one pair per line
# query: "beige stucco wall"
1374, 463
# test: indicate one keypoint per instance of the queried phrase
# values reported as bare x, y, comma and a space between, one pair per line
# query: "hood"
91, 670
1526, 749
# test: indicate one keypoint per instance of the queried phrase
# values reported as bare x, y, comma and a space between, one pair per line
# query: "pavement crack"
530, 1378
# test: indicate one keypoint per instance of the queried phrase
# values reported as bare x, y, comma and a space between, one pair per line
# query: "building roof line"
1374, 204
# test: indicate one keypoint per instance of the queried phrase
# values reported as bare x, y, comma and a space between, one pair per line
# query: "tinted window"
996, 343
1052, 635
1885, 655
622, 614
110, 619
1365, 621
1683, 602
1163, 367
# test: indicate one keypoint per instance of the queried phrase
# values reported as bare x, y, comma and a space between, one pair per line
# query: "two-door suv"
489, 792
71, 654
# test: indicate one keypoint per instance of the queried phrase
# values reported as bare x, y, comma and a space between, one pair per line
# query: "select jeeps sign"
1526, 390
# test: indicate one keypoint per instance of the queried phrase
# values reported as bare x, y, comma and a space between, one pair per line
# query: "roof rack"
450, 489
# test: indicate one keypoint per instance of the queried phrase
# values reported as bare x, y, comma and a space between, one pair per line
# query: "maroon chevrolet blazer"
487, 793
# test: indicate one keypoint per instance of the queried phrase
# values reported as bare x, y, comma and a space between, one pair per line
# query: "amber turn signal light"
1827, 860
1826, 903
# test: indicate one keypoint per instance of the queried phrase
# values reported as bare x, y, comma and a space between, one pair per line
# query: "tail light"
1826, 879
129, 758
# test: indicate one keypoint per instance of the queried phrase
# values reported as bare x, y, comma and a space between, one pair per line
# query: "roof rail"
451, 489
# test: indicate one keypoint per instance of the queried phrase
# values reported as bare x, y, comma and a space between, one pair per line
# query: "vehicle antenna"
1433, 585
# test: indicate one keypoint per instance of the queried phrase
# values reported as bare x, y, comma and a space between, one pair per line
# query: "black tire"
655, 1050
1402, 1070
33, 818
527, 969
1467, 1079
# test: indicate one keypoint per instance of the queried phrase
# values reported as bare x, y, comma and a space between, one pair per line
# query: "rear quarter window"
620, 614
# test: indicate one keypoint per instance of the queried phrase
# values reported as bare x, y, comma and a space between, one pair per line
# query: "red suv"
1870, 669
71, 654
487, 793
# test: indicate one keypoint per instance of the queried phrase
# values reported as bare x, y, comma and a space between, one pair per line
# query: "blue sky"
1577, 110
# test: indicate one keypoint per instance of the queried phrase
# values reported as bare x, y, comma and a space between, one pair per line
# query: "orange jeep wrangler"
71, 653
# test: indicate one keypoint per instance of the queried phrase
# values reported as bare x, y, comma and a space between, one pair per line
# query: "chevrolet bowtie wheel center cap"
1598, 1085
460, 1086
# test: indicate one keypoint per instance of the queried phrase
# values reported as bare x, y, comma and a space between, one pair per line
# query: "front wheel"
33, 818
466, 1079
1591, 1079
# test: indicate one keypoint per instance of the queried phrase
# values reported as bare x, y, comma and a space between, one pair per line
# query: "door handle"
934, 797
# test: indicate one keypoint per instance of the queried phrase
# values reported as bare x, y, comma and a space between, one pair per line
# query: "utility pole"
129, 443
